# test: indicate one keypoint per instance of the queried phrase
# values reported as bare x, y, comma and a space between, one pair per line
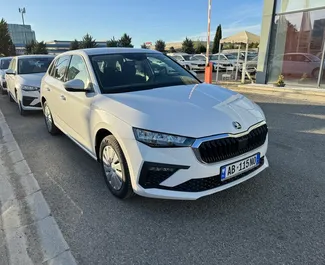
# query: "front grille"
4, 84
197, 185
200, 65
226, 148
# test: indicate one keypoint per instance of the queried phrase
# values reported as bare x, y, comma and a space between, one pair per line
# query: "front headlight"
157, 139
29, 88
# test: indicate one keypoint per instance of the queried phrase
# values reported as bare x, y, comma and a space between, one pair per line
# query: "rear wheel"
49, 122
115, 168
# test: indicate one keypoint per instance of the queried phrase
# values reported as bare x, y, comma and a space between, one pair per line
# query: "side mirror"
193, 73
76, 85
10, 72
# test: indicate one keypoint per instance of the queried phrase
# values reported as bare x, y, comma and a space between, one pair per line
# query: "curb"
28, 232
296, 90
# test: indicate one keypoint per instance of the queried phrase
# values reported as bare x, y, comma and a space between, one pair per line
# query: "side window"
51, 68
61, 66
78, 70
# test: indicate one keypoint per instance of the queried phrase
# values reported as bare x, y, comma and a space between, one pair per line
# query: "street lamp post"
23, 11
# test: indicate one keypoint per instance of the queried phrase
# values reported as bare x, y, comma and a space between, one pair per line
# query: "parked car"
4, 64
24, 80
214, 59
296, 64
187, 62
160, 134
230, 58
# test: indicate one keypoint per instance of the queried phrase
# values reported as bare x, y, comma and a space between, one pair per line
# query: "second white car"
23, 79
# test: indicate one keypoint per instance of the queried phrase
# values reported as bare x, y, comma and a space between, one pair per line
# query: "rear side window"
60, 68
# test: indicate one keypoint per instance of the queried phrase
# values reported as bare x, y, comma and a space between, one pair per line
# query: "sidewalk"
28, 232
296, 93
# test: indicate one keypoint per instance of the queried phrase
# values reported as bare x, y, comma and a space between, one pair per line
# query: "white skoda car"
23, 79
156, 130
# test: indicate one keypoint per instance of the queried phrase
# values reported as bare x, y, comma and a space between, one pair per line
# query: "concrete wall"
267, 20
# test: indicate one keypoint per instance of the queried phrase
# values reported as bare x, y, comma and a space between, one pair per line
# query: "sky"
143, 20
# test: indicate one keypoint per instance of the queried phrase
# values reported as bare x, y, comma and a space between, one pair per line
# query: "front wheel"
10, 97
3, 92
315, 73
115, 168
22, 112
188, 67
49, 122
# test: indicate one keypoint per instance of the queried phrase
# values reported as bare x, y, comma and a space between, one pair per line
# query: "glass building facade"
293, 43
21, 34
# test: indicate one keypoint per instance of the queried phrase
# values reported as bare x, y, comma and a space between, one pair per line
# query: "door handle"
48, 89
63, 97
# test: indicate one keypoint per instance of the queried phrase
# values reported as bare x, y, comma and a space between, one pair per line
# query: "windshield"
231, 56
186, 57
313, 58
33, 65
213, 57
125, 72
4, 63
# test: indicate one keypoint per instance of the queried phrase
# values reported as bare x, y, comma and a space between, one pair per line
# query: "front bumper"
30, 100
191, 179
197, 68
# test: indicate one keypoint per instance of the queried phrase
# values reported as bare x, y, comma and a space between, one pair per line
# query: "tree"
160, 45
216, 41
88, 42
144, 46
200, 48
172, 49
74, 45
40, 48
125, 41
30, 47
5, 39
112, 43
188, 46
35, 47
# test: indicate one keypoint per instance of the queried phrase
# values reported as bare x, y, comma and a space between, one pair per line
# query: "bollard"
208, 73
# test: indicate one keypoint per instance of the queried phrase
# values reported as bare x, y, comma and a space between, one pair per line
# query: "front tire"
49, 122
3, 92
115, 168
10, 97
188, 68
22, 112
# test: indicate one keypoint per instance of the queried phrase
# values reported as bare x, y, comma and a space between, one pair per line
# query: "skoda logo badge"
236, 125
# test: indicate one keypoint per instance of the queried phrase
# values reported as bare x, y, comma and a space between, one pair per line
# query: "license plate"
239, 167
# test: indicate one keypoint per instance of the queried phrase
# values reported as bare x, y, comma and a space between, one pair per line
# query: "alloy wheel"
112, 168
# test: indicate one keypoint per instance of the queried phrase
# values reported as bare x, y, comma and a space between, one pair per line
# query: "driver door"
77, 105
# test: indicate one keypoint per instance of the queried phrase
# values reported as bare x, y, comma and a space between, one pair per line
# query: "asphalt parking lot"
274, 218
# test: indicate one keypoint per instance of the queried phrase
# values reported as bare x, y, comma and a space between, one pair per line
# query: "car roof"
35, 56
9, 57
100, 51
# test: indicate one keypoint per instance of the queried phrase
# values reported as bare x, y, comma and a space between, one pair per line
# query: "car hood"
188, 110
31, 79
